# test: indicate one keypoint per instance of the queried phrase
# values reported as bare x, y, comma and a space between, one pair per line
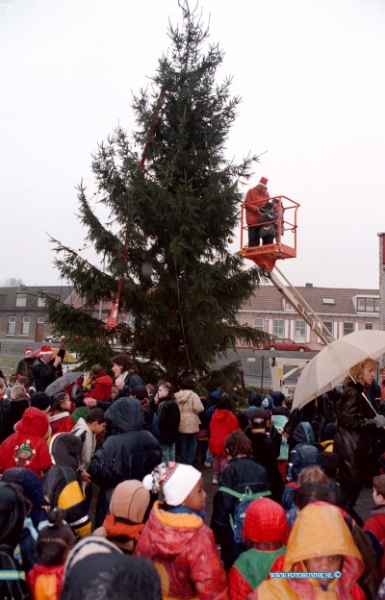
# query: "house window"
287, 305
348, 328
300, 331
368, 304
11, 326
130, 320
328, 301
25, 325
21, 300
329, 326
258, 324
40, 320
279, 328
40, 302
368, 326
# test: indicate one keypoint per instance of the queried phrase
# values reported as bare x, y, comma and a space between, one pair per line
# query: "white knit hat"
174, 479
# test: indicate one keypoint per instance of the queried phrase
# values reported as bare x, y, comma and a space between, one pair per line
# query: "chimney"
308, 285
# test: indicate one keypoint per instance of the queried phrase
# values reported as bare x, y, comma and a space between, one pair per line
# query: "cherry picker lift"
265, 257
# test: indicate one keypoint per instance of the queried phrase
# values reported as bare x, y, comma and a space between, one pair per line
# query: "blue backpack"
245, 499
303, 455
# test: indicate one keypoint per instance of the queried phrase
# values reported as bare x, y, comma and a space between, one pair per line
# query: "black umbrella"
62, 382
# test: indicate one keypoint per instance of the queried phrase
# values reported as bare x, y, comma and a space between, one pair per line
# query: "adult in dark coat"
126, 379
356, 434
44, 370
129, 453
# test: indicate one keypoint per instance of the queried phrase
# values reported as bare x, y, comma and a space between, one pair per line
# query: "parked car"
53, 339
285, 344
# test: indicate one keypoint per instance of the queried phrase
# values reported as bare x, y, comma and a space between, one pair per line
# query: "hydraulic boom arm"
300, 305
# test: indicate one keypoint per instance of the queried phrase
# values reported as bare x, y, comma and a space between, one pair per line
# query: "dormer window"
21, 300
368, 305
287, 305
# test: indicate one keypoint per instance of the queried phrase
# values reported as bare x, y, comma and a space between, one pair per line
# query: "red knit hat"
45, 350
263, 182
265, 521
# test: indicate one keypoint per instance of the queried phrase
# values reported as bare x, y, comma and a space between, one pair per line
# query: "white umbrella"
329, 368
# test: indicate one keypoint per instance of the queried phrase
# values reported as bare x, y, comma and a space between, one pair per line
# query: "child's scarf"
116, 528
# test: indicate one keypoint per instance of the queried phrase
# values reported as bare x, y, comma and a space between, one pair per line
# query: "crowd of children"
93, 503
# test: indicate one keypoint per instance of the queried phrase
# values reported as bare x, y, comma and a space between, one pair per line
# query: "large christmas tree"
174, 214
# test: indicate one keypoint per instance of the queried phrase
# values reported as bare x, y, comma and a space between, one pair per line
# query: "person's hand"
379, 421
62, 341
90, 402
85, 477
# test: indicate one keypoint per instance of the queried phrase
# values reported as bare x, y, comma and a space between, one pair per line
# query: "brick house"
343, 310
22, 315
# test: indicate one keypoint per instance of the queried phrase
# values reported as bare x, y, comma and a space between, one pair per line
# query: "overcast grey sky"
310, 73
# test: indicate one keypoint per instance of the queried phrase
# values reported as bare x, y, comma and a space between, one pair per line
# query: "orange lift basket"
285, 245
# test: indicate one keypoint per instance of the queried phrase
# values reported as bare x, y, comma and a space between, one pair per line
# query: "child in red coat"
177, 541
376, 523
222, 423
28, 447
45, 579
59, 415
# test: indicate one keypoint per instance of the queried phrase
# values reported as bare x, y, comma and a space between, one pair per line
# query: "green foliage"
181, 283
8, 365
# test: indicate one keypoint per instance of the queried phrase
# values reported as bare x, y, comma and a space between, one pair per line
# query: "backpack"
245, 499
303, 455
12, 579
